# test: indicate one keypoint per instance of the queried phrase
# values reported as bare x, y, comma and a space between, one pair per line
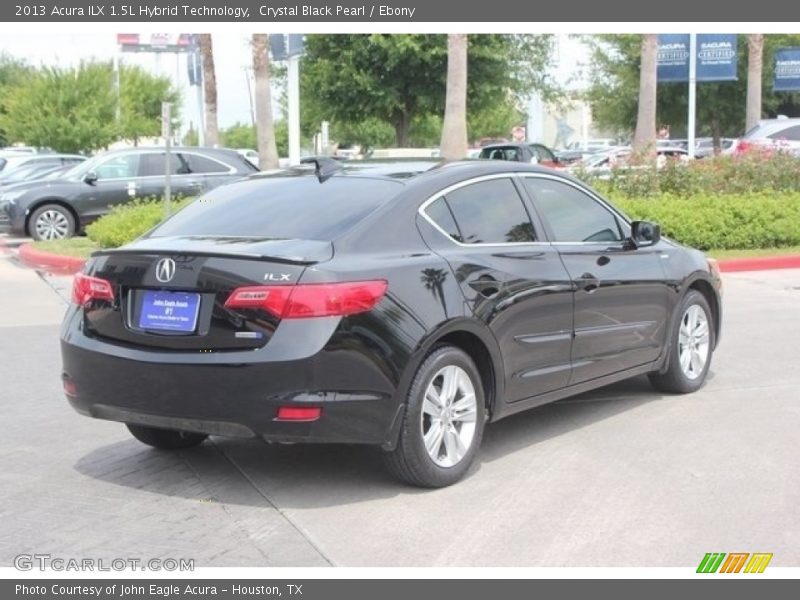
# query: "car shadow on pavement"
254, 473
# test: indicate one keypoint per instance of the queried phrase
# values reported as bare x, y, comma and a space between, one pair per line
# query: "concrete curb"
52, 263
761, 263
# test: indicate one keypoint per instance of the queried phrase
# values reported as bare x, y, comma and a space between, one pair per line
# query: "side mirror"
645, 233
534, 160
90, 178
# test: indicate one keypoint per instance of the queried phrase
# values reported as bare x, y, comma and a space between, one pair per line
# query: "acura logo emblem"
165, 270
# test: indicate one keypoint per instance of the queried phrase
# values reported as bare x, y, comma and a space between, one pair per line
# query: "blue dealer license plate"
169, 311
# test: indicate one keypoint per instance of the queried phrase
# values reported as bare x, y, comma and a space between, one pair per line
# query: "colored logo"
719, 562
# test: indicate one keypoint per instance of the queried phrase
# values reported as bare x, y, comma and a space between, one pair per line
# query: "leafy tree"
75, 109
720, 105
69, 110
141, 95
239, 135
349, 79
12, 72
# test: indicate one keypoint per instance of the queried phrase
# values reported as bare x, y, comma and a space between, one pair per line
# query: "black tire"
51, 221
674, 380
165, 439
410, 462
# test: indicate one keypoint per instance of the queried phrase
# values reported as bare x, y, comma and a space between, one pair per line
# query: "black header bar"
401, 11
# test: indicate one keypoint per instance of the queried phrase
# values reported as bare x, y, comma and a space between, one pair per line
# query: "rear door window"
486, 212
203, 165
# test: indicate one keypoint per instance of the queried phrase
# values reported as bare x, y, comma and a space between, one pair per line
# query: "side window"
488, 212
200, 164
118, 167
541, 153
573, 215
152, 164
791, 134
440, 214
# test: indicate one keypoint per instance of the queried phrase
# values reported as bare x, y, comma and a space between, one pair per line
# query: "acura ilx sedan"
320, 305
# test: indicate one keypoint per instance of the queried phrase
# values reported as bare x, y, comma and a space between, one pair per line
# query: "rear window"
281, 208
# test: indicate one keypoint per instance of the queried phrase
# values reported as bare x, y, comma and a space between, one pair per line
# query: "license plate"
169, 311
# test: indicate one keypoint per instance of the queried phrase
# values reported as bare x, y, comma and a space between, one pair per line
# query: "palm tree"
644, 140
755, 65
454, 129
209, 88
433, 280
265, 128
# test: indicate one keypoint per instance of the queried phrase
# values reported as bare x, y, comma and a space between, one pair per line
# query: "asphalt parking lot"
619, 477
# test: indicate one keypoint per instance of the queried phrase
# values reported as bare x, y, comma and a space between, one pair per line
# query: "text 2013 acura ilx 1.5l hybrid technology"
324, 306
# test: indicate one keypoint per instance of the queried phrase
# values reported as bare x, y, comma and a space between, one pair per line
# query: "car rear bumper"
358, 403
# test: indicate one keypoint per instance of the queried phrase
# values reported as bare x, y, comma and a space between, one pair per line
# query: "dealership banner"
716, 57
787, 70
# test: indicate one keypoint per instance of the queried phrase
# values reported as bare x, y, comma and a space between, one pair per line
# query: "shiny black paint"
541, 331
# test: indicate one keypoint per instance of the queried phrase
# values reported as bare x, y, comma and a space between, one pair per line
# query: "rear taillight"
310, 300
86, 288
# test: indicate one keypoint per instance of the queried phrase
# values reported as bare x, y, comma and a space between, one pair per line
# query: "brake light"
310, 300
86, 288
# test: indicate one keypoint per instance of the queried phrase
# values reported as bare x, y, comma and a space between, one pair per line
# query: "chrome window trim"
465, 183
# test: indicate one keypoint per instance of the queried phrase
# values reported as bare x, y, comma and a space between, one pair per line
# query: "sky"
232, 60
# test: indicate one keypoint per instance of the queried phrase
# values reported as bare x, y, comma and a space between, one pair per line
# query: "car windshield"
295, 207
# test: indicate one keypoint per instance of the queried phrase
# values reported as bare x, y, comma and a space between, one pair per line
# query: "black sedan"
402, 313
61, 207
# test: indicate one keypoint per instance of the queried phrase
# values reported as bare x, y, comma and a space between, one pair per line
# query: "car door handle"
587, 282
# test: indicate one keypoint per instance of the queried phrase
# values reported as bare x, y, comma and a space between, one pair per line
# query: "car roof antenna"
324, 167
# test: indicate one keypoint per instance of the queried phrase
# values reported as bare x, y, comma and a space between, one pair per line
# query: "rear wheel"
51, 222
165, 439
443, 425
692, 344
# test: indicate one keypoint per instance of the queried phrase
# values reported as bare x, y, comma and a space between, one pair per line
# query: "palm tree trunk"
755, 65
644, 140
454, 129
209, 89
265, 127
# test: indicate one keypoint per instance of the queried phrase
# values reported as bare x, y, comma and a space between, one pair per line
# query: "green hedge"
128, 221
751, 172
743, 221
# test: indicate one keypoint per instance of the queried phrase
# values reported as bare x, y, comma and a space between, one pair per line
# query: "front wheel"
51, 222
443, 424
692, 345
165, 439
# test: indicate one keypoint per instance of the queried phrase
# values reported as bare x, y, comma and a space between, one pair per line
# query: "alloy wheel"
693, 342
448, 416
52, 225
